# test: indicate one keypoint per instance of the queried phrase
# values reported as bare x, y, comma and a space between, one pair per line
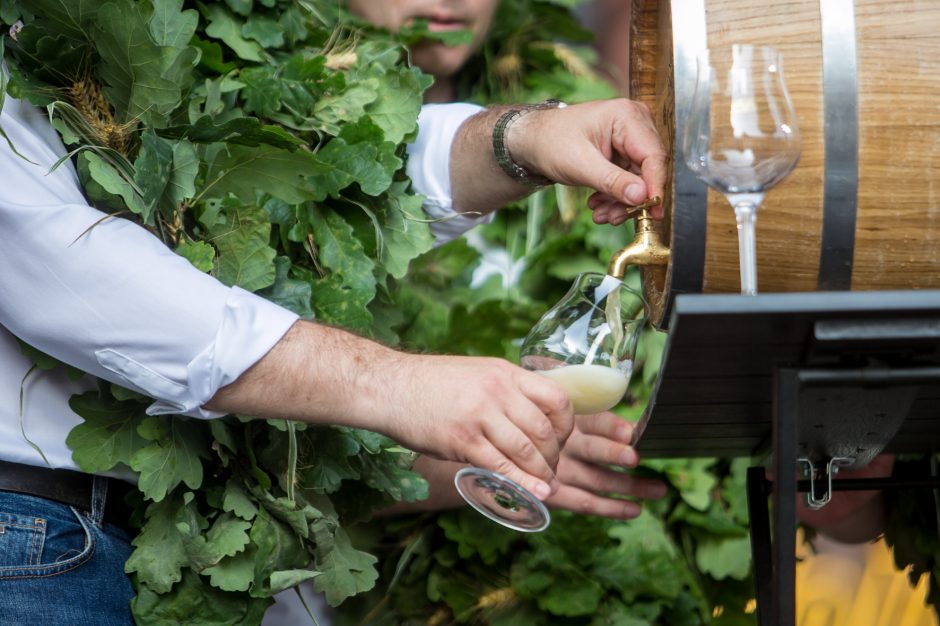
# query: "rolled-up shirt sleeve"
104, 295
429, 168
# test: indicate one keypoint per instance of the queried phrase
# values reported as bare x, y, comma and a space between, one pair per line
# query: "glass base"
502, 500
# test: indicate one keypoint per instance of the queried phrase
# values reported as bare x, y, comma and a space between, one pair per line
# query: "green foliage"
912, 527
672, 565
108, 436
264, 142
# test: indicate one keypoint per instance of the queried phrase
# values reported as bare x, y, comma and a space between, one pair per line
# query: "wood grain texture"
652, 82
789, 223
899, 145
898, 218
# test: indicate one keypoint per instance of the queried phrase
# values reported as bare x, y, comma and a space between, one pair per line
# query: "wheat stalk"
340, 50
569, 58
86, 96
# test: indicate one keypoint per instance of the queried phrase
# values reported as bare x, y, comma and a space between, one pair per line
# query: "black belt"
65, 486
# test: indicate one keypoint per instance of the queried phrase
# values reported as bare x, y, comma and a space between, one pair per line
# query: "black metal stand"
810, 380
774, 559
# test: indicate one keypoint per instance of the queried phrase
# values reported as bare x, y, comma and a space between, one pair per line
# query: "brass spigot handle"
636, 211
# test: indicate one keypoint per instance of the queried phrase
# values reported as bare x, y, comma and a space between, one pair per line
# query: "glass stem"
746, 214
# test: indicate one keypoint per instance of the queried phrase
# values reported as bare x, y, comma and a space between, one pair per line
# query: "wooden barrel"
861, 209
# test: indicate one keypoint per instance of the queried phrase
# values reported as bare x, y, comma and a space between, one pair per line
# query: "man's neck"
442, 91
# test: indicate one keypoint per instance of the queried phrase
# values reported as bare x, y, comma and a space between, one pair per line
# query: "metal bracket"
811, 472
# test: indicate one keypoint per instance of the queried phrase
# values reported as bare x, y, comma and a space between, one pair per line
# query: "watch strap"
501, 149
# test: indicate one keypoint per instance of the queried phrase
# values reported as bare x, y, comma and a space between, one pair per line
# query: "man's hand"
588, 485
482, 411
611, 146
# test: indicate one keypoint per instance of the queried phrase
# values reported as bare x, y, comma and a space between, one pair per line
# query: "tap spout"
647, 248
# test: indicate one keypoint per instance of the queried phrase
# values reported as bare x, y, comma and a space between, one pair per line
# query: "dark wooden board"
714, 394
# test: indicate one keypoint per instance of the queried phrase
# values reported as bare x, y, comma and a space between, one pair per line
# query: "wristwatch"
501, 150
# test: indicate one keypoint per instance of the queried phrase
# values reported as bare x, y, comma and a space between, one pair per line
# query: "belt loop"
99, 495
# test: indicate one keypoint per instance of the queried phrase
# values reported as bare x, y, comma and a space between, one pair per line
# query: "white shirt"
106, 296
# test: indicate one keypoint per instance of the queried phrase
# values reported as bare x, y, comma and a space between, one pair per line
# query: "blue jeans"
60, 565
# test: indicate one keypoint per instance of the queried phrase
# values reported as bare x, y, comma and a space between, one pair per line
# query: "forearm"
479, 185
316, 374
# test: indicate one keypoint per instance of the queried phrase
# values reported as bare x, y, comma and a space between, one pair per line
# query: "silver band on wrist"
501, 149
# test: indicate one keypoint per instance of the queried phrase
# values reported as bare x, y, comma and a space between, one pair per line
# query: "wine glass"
586, 343
741, 136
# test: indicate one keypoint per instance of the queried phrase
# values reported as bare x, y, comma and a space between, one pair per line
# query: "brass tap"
647, 247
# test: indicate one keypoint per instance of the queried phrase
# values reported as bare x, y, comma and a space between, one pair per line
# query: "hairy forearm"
478, 184
316, 374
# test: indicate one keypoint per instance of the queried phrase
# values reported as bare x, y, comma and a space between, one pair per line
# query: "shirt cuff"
429, 168
250, 327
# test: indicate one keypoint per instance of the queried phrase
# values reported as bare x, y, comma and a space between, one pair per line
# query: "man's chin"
439, 60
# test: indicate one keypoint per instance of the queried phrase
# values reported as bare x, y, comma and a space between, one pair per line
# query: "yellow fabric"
858, 587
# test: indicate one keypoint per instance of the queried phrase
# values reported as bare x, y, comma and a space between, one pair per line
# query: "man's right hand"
483, 411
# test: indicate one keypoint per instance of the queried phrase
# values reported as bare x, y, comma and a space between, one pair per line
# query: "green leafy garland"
264, 142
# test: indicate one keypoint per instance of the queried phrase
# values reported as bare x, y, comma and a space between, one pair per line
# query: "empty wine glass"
741, 136
586, 343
